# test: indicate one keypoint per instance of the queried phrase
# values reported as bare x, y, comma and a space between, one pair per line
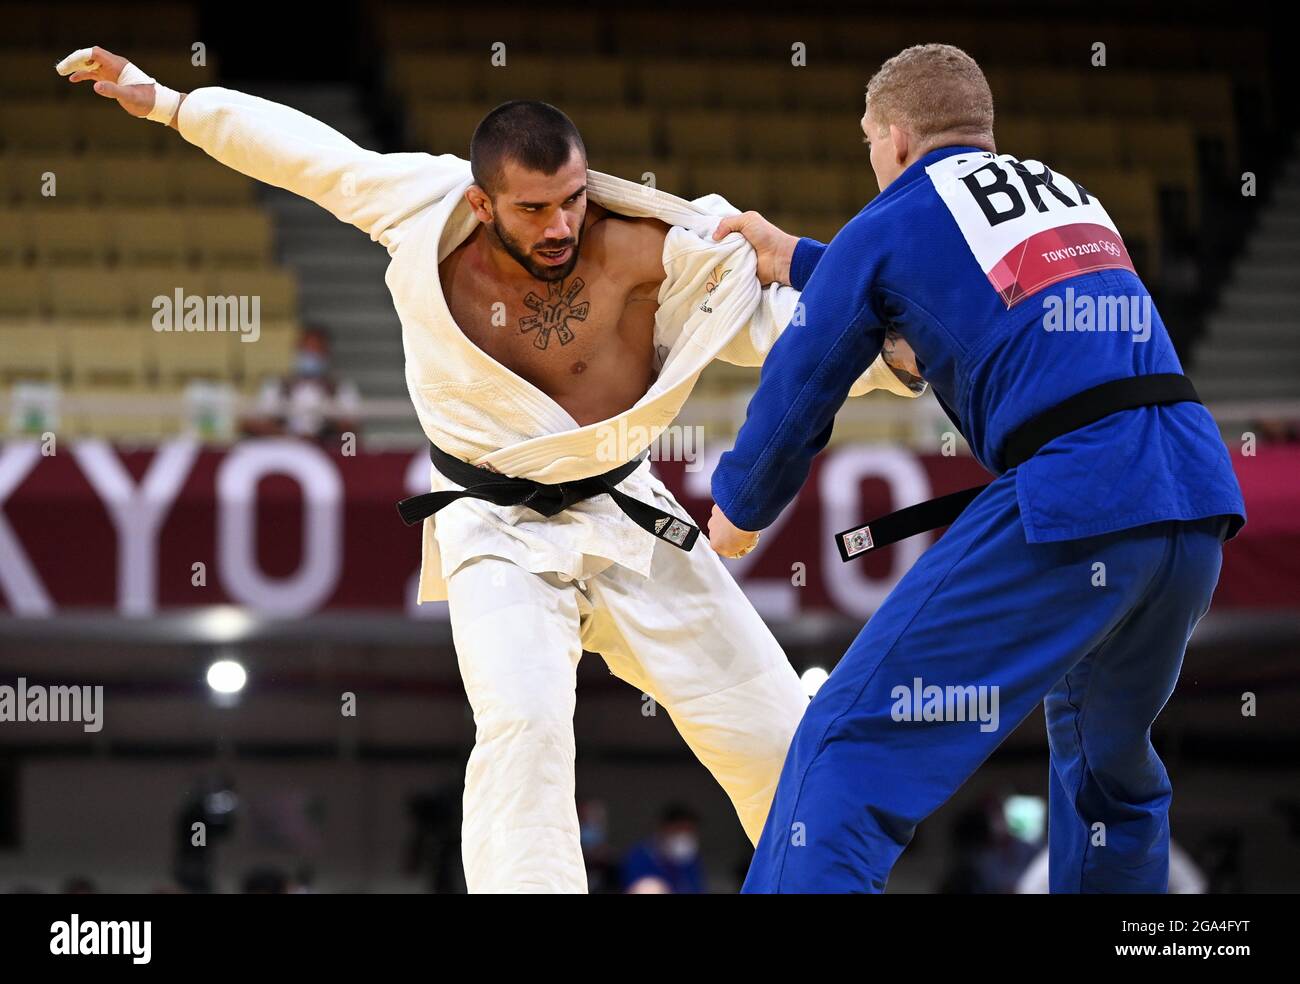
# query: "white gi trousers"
687, 636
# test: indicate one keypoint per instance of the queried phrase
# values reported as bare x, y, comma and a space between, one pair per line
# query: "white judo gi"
528, 594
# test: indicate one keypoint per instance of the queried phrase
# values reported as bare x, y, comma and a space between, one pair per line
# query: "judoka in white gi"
600, 280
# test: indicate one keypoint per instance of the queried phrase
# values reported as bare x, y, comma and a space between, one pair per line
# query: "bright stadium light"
812, 680
226, 676
223, 623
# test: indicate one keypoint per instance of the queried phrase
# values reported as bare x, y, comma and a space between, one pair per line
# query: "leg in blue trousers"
1108, 824
995, 624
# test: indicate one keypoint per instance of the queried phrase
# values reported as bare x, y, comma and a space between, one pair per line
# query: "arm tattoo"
554, 312
888, 350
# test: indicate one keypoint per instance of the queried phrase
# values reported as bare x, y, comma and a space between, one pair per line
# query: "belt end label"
857, 541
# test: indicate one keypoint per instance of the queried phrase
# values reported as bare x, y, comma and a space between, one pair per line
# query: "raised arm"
805, 379
785, 264
281, 146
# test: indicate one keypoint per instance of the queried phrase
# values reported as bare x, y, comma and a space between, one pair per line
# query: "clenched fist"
728, 539
774, 247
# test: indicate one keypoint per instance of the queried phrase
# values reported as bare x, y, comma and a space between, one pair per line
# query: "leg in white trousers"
687, 636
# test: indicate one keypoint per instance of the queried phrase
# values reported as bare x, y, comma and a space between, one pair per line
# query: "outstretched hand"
105, 68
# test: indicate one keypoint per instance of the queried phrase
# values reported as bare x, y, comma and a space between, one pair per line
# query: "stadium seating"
100, 215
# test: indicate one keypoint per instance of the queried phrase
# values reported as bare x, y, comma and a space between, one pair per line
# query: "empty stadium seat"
814, 189
69, 235
133, 179
840, 137
521, 77
437, 76
29, 351
1021, 137
668, 175
184, 355
778, 136
152, 289
614, 131
703, 135
1165, 147
836, 90
104, 127
591, 80
276, 290
744, 185
117, 356
444, 129
822, 228
755, 85
15, 237
158, 235
1042, 91
45, 125
22, 292
270, 356
46, 178
28, 74
1082, 143
774, 35
87, 292
202, 181
673, 83
238, 237
1112, 93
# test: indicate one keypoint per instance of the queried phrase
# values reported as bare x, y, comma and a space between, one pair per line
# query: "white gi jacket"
711, 306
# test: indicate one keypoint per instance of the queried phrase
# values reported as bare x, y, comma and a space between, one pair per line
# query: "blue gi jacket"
1013, 288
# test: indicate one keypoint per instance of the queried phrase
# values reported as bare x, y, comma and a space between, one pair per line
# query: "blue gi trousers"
1095, 628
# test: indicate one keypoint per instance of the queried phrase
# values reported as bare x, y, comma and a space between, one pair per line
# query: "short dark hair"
531, 133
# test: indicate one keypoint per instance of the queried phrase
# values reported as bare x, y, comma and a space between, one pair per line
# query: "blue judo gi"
1075, 578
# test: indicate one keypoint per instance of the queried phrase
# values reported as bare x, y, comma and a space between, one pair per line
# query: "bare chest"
584, 326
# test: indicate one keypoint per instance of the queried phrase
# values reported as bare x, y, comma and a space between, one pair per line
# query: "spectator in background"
987, 859
310, 402
206, 816
593, 832
670, 860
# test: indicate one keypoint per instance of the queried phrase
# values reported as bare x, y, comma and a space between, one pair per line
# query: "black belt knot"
547, 500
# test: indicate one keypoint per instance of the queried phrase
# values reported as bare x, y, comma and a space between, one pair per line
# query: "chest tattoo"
554, 312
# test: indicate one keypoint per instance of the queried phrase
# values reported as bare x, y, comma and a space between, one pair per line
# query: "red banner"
283, 527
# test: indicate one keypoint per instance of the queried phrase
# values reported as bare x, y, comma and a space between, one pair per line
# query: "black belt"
482, 483
1025, 441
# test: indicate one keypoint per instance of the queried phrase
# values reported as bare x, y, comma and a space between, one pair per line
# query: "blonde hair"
932, 89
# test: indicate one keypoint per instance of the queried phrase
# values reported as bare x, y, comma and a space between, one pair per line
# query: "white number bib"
1027, 227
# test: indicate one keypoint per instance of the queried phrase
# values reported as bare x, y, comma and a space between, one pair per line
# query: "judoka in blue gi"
1074, 578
